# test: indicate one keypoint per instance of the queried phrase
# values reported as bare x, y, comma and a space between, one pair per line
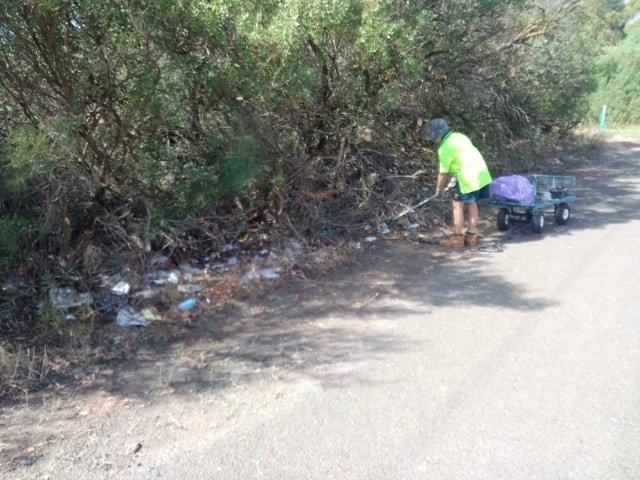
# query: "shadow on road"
308, 327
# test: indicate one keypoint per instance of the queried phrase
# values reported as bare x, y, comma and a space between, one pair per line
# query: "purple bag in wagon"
513, 188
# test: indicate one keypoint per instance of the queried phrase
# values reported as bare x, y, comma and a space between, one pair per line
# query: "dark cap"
436, 127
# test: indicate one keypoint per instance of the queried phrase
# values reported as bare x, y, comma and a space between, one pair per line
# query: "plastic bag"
514, 188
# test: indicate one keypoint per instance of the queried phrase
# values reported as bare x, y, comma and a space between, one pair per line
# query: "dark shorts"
471, 197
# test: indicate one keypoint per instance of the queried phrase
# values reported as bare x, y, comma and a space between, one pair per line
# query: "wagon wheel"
504, 219
562, 213
537, 222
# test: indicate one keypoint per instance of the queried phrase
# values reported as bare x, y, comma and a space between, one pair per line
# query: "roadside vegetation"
132, 130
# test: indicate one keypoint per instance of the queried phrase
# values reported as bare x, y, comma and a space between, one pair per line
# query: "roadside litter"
66, 298
128, 317
123, 293
187, 304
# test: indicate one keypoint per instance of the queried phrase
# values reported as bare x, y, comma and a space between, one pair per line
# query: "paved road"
518, 361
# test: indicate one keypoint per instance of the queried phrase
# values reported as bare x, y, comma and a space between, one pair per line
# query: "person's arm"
442, 182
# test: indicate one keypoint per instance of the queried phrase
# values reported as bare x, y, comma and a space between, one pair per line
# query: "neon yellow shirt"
459, 157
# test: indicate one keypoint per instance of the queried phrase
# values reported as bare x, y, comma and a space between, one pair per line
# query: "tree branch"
536, 28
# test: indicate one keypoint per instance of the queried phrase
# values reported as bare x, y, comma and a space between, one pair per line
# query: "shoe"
470, 239
454, 241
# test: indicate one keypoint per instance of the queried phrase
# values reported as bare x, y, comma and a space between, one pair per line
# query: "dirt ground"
213, 364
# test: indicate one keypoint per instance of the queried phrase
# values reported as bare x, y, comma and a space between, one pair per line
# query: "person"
459, 158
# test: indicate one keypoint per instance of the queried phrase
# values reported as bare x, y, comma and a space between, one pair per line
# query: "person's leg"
457, 239
472, 206
458, 217
472, 211
470, 236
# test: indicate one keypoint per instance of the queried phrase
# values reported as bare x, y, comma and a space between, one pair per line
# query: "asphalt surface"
518, 360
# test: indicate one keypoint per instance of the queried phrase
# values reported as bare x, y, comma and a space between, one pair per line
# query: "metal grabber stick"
411, 209
450, 186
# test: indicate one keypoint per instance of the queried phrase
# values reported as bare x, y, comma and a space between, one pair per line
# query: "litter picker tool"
451, 185
411, 209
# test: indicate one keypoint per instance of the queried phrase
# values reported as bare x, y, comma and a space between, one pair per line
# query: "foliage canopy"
123, 119
618, 81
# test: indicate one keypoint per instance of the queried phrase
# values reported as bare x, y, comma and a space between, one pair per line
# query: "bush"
15, 239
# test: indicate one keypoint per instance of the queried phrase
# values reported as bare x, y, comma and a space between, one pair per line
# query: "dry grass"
22, 368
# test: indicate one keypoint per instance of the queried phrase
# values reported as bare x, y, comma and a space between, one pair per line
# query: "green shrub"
14, 235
